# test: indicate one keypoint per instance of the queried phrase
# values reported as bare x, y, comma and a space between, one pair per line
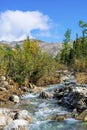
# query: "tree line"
74, 54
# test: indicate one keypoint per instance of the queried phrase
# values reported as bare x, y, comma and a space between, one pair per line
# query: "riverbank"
81, 77
70, 95
10, 89
44, 106
10, 92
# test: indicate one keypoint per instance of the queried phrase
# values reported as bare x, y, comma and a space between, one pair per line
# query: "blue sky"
46, 20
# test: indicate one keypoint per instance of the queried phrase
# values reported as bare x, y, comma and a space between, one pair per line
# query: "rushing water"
42, 109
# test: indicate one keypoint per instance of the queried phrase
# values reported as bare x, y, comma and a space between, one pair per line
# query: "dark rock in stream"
72, 96
45, 95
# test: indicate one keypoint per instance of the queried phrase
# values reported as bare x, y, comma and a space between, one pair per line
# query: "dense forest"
29, 64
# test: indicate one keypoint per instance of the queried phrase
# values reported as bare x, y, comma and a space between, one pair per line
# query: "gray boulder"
18, 124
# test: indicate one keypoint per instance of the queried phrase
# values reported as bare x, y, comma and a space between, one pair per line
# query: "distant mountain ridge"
51, 48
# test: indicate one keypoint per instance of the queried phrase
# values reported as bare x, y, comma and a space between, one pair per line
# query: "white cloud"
16, 25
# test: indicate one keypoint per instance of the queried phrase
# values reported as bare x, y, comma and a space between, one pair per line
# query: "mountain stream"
42, 109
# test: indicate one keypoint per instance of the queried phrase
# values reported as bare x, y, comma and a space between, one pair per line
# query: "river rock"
57, 117
14, 98
60, 117
23, 114
5, 83
45, 95
18, 124
4, 111
3, 78
31, 86
74, 97
3, 89
85, 118
65, 78
82, 116
4, 120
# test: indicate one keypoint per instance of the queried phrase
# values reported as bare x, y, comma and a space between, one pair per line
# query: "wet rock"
74, 113
60, 117
82, 116
74, 97
18, 124
23, 114
60, 95
14, 98
45, 95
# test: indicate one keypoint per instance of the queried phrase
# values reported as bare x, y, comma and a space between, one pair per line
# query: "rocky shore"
10, 92
73, 96
10, 95
70, 94
14, 119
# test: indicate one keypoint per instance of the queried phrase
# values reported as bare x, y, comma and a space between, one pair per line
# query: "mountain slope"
51, 48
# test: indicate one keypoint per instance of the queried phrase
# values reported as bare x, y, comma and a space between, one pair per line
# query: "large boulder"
18, 124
